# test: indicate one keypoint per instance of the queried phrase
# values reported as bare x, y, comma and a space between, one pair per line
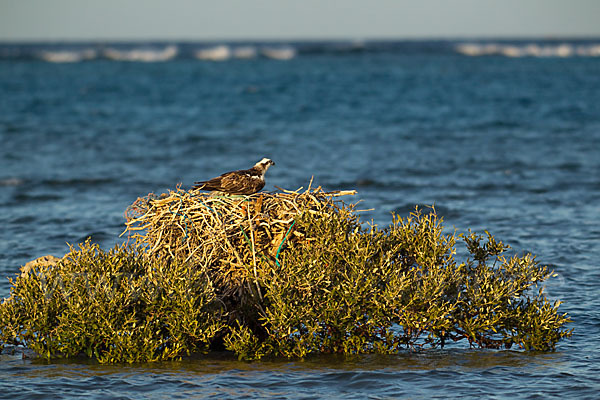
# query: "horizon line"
292, 39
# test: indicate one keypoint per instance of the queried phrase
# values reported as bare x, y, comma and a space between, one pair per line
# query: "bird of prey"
243, 181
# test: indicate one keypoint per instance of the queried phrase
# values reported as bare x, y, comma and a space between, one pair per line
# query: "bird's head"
264, 164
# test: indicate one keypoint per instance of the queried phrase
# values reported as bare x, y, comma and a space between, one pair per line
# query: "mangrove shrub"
279, 274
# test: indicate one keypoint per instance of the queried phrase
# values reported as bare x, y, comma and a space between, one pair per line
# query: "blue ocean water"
501, 136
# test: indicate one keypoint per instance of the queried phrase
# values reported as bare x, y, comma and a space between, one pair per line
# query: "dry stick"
214, 222
293, 203
253, 253
338, 193
158, 240
289, 191
225, 236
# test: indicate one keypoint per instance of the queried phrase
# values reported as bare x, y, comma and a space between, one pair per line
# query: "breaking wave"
67, 56
279, 53
529, 49
245, 52
207, 51
224, 52
141, 54
218, 53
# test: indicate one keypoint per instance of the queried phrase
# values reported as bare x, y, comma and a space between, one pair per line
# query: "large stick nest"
229, 235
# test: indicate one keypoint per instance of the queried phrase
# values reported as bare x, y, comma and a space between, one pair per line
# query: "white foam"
470, 49
67, 56
529, 50
217, 53
245, 52
142, 54
588, 51
279, 53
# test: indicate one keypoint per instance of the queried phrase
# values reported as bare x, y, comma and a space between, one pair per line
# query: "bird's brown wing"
212, 184
236, 182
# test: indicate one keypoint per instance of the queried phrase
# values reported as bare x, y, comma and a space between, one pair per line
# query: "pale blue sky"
287, 19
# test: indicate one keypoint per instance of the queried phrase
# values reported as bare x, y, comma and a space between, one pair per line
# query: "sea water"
498, 136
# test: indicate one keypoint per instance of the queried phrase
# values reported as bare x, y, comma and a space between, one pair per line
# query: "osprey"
243, 181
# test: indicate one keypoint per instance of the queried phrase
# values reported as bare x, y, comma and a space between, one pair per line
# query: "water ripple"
508, 145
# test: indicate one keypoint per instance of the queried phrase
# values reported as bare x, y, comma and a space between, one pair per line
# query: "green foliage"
355, 290
115, 306
333, 286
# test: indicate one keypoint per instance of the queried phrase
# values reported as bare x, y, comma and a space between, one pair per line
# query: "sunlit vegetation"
285, 274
